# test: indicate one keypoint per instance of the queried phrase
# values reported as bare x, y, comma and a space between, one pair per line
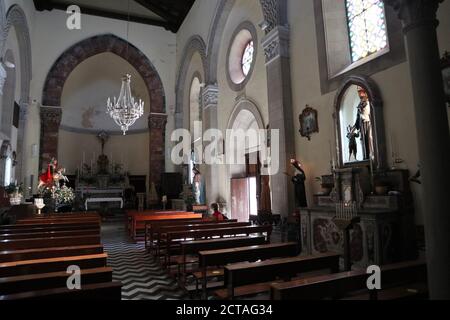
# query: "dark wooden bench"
193, 248
17, 229
52, 280
224, 256
152, 228
50, 234
162, 231
340, 285
243, 279
44, 253
24, 244
110, 291
137, 220
68, 219
212, 233
24, 267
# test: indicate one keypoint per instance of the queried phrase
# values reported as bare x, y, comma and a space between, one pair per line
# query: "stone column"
276, 47
157, 148
209, 102
419, 20
21, 146
50, 122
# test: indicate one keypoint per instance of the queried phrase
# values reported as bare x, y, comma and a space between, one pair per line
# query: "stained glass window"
367, 27
247, 58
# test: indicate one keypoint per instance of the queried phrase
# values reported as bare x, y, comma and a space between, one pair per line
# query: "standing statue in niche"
299, 184
197, 184
352, 145
363, 124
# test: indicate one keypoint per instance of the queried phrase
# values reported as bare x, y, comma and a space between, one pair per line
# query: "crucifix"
103, 137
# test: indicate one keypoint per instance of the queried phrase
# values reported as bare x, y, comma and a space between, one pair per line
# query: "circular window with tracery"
241, 56
247, 58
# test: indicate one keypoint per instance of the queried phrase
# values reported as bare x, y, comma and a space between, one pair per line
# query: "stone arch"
87, 48
194, 45
16, 18
248, 105
2, 26
52, 92
8, 97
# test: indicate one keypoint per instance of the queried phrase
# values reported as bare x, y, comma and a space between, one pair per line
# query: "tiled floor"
141, 275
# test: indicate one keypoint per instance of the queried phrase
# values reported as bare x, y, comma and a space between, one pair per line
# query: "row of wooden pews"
138, 220
233, 260
36, 253
401, 281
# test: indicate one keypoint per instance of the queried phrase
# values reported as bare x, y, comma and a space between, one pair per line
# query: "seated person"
217, 215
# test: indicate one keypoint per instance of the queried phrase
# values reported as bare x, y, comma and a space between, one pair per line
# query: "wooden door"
240, 204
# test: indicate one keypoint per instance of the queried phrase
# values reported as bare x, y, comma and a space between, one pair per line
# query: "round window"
241, 58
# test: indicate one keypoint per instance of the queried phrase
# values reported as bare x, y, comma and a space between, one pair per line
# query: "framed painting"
308, 122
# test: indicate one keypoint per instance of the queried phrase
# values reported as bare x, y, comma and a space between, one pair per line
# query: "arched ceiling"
88, 88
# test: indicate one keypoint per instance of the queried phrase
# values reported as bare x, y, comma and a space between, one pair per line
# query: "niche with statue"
360, 179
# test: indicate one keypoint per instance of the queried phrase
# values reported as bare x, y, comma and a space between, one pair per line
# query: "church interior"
224, 150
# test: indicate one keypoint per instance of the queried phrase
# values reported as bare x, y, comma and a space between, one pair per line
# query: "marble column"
157, 148
276, 47
209, 102
50, 122
419, 20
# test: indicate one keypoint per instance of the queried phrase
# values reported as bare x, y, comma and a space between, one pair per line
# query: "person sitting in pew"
217, 215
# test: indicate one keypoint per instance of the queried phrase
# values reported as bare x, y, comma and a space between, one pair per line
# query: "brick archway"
51, 111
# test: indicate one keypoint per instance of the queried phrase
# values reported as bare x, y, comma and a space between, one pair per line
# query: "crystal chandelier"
125, 110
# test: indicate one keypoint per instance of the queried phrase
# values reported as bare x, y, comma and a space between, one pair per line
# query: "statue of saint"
363, 123
299, 184
197, 181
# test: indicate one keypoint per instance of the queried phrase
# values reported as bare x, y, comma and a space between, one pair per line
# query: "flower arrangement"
49, 185
64, 196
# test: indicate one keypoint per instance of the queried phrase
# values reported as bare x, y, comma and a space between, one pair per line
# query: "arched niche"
351, 116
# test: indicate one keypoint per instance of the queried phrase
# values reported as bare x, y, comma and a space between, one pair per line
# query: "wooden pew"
50, 234
132, 215
211, 233
207, 225
138, 222
340, 285
246, 278
152, 227
54, 252
17, 229
24, 267
110, 291
57, 218
52, 280
195, 247
224, 256
24, 244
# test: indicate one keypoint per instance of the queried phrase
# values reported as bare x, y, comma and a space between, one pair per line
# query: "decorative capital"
157, 121
274, 14
210, 96
51, 115
276, 44
415, 13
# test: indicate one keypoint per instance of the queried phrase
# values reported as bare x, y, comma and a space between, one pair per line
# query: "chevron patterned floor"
142, 277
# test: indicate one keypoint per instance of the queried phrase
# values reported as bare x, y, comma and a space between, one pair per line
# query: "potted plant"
15, 193
64, 198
